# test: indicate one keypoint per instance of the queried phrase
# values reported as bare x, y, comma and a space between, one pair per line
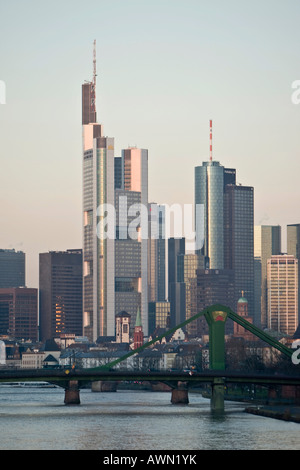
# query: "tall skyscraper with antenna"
210, 181
98, 249
226, 223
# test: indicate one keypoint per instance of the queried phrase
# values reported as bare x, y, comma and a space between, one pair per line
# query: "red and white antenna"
210, 140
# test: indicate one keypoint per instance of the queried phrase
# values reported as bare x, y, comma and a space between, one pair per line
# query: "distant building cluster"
125, 285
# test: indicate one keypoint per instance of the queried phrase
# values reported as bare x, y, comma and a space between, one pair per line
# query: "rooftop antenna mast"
94, 63
93, 87
210, 139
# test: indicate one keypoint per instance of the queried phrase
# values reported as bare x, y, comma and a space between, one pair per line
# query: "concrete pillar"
180, 395
104, 386
217, 395
72, 395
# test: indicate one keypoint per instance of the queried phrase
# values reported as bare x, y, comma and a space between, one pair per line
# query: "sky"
164, 69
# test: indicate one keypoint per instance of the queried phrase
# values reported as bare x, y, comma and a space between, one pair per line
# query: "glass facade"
60, 289
12, 268
209, 190
156, 253
98, 249
239, 244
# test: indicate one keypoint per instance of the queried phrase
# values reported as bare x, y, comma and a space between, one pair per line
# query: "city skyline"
234, 65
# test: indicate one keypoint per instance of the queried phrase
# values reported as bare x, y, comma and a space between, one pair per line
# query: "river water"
38, 419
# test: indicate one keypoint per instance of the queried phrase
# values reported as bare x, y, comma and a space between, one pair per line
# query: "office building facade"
159, 315
209, 192
128, 257
293, 248
60, 293
238, 240
187, 273
267, 242
19, 313
156, 253
282, 290
132, 230
12, 268
176, 289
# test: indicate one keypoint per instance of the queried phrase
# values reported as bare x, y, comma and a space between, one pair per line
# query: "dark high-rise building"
60, 286
119, 173
156, 253
177, 297
19, 313
12, 268
176, 289
176, 246
214, 286
238, 240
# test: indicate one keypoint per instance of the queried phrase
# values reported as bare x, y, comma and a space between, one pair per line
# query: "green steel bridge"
73, 379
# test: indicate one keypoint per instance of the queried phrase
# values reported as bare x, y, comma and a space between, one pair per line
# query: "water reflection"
134, 421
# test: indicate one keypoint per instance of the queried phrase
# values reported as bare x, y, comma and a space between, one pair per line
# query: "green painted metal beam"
260, 333
216, 339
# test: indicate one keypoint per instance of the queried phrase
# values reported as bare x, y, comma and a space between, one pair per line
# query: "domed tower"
242, 306
242, 310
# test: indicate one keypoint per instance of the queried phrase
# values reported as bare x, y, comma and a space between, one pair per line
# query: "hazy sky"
164, 69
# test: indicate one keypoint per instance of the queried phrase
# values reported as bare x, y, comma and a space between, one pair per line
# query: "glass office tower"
238, 238
209, 190
135, 179
98, 247
12, 268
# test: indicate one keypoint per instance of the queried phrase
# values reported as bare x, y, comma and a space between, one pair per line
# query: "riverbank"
284, 413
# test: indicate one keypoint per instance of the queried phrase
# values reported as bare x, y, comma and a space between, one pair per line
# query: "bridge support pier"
180, 395
72, 395
101, 386
217, 395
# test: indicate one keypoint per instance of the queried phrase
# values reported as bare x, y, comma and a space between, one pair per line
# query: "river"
38, 419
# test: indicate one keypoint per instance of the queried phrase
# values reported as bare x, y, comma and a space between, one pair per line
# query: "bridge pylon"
216, 320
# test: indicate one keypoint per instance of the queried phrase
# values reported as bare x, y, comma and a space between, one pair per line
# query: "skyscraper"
209, 191
134, 179
98, 194
12, 268
226, 223
293, 248
156, 254
19, 313
187, 273
282, 288
60, 290
238, 238
128, 261
267, 242
176, 288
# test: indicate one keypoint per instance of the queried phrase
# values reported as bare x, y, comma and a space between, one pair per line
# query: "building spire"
93, 85
210, 140
138, 321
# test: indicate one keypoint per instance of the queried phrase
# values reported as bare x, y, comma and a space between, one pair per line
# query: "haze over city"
164, 70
